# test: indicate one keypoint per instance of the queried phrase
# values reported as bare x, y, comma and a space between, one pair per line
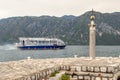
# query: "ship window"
40, 41
34, 41
54, 41
43, 41
47, 42
31, 41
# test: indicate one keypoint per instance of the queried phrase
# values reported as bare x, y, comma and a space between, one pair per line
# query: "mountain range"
73, 30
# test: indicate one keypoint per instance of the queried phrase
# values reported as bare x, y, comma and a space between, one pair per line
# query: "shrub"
54, 73
65, 77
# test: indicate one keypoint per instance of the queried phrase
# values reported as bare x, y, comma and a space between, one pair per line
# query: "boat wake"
8, 47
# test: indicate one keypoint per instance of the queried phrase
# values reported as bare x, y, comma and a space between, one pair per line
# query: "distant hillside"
71, 29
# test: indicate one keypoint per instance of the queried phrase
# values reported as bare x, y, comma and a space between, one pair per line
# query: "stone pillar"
92, 39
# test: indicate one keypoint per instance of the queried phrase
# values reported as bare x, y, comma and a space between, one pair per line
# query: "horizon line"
55, 15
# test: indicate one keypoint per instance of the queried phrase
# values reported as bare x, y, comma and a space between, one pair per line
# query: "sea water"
11, 53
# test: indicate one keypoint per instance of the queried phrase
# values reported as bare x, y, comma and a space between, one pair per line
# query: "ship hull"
41, 47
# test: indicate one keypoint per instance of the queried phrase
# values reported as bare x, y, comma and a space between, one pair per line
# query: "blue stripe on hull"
42, 47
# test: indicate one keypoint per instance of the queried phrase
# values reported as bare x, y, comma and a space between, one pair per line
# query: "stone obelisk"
92, 36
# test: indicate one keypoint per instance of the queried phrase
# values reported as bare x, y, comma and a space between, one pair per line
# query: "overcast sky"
9, 8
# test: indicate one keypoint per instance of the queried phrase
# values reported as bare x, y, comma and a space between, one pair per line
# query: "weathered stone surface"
92, 78
91, 69
78, 68
110, 69
80, 77
104, 78
103, 69
83, 68
97, 78
86, 77
97, 69
40, 68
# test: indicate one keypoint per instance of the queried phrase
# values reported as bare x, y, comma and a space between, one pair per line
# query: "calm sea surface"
11, 53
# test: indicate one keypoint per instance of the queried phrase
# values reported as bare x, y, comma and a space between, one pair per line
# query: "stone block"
103, 69
119, 67
73, 68
67, 68
78, 68
61, 67
107, 75
50, 71
88, 68
84, 68
92, 78
28, 78
104, 78
40, 74
73, 78
91, 69
47, 72
97, 78
86, 77
110, 78
116, 69
80, 77
33, 77
97, 69
64, 68
110, 69
36, 75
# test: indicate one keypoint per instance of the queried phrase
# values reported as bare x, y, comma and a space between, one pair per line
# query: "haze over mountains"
72, 29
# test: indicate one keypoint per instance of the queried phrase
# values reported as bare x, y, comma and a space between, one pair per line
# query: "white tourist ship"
40, 43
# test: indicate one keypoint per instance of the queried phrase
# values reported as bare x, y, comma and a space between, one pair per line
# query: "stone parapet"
80, 68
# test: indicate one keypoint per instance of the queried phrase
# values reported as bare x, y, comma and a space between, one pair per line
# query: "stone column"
92, 39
